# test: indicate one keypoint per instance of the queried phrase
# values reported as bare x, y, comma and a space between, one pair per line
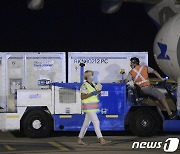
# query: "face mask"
92, 78
132, 65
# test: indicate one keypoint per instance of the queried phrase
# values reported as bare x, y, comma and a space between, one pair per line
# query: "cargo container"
106, 65
22, 70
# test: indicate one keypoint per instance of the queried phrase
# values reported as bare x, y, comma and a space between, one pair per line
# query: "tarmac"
66, 142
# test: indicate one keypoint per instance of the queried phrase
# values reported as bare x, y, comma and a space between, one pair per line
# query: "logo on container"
34, 96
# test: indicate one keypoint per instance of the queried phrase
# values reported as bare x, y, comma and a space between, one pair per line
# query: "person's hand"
165, 79
99, 86
94, 93
162, 79
122, 81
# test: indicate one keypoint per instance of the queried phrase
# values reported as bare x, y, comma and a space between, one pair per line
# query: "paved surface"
15, 143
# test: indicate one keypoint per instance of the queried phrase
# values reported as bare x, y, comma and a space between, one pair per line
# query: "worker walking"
139, 75
90, 105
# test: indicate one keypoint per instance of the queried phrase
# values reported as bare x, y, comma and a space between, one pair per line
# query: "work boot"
172, 116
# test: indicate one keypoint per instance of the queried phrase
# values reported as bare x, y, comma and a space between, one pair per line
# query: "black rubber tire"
145, 122
45, 124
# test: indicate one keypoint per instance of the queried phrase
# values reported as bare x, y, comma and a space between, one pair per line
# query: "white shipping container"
23, 70
1, 87
45, 66
106, 65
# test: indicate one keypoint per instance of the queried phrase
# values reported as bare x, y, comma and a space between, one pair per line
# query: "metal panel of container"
106, 65
44, 66
14, 77
24, 69
1, 86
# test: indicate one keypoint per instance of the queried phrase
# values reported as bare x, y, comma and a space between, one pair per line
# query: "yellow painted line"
9, 148
112, 116
65, 116
60, 147
12, 116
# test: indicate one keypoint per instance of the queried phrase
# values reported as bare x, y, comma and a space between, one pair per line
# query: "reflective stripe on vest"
90, 104
90, 107
140, 76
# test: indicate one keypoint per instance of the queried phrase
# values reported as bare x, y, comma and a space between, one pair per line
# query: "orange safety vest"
140, 76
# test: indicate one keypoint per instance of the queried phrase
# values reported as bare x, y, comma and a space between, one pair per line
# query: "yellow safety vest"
90, 104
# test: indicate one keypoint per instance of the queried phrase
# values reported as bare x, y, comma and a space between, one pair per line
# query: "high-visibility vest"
140, 76
90, 104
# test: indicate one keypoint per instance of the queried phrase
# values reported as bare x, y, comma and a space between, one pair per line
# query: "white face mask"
92, 78
132, 65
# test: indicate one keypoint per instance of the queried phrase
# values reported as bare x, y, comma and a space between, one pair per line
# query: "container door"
2, 86
14, 78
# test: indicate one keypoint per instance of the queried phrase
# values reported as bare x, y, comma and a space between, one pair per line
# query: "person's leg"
84, 128
166, 106
159, 104
172, 115
94, 118
96, 123
151, 90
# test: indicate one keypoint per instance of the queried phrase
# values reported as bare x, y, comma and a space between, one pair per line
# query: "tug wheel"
144, 122
36, 124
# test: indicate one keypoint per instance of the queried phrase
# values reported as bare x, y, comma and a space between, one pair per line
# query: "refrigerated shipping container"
106, 65
22, 70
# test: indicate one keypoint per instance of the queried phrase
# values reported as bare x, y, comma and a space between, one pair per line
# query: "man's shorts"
152, 91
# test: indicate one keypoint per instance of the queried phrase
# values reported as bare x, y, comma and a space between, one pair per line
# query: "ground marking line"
59, 146
9, 147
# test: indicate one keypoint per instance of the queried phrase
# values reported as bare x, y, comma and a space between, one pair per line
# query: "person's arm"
129, 78
84, 92
157, 74
84, 96
151, 70
126, 81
